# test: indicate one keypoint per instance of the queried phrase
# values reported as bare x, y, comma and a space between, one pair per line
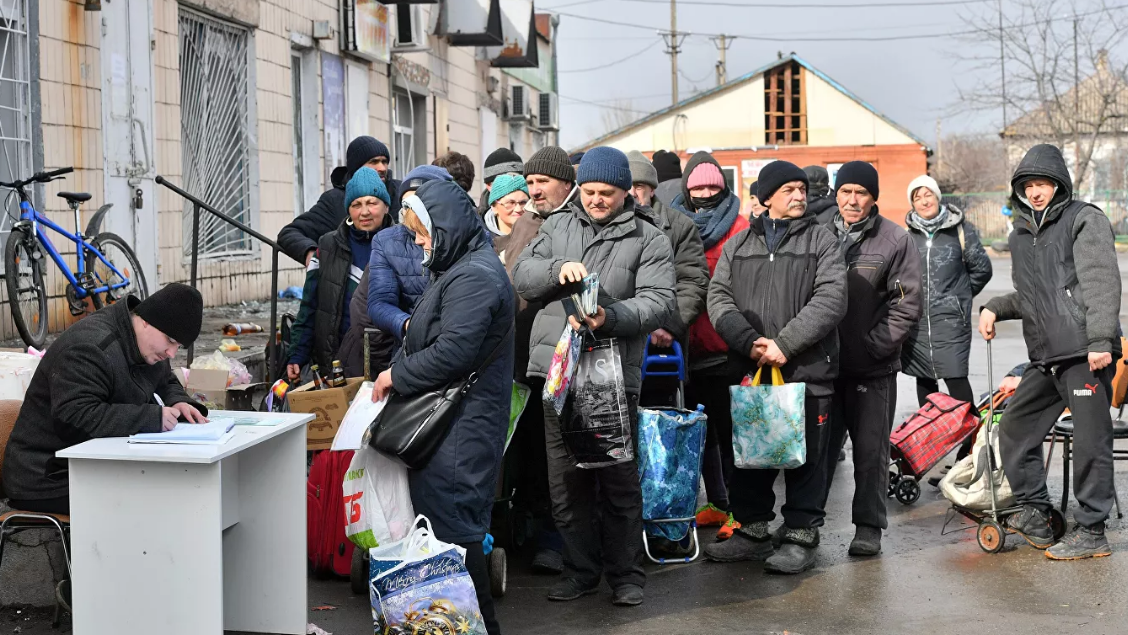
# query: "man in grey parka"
1067, 294
598, 511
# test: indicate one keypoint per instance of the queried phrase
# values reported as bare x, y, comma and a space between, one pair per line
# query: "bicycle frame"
30, 216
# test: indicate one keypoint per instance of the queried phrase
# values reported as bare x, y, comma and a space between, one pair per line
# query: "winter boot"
548, 562
1082, 542
867, 541
1033, 525
749, 543
627, 595
796, 554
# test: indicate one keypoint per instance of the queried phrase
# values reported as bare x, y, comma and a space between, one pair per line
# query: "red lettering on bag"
352, 507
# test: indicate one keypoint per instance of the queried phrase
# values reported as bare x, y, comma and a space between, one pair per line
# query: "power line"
606, 106
616, 62
859, 5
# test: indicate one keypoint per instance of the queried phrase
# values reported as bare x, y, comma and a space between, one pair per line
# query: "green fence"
985, 211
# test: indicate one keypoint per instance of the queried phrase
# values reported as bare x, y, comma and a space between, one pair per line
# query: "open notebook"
212, 433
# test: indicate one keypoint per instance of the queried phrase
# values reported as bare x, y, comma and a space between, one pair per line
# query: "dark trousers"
1039, 400
752, 494
958, 387
598, 512
864, 409
528, 447
59, 505
712, 391
477, 567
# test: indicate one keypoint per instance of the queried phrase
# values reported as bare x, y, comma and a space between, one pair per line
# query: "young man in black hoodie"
883, 282
1067, 294
299, 239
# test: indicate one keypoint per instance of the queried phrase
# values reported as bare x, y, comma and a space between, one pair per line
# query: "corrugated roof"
739, 81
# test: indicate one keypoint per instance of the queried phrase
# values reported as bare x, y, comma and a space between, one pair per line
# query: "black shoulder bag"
411, 429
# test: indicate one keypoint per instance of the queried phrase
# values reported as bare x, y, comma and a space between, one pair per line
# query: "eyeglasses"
512, 204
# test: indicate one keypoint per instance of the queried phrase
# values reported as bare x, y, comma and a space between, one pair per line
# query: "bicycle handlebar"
38, 177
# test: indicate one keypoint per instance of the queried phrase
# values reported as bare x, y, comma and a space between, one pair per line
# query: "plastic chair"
16, 521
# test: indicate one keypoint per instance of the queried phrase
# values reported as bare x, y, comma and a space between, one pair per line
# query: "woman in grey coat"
954, 269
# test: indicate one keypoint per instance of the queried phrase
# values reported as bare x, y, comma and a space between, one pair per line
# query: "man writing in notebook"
107, 376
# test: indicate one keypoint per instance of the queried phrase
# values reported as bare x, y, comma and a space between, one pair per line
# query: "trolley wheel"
498, 572
991, 537
894, 481
908, 491
1057, 523
358, 574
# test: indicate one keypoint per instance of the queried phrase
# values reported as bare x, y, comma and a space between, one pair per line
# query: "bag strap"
777, 376
473, 378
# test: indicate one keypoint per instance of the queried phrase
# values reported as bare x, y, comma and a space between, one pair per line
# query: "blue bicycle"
107, 267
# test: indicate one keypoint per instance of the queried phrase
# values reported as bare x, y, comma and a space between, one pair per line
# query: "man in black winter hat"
106, 376
299, 239
669, 169
500, 161
884, 303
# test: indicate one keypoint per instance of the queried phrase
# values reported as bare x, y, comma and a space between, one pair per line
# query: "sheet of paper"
248, 421
210, 432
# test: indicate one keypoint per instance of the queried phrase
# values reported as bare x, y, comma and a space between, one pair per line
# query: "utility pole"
939, 149
723, 42
1076, 109
673, 41
1003, 67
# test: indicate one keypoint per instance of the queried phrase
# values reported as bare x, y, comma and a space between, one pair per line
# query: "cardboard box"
210, 388
329, 407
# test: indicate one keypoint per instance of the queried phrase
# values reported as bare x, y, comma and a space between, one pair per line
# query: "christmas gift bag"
769, 423
597, 426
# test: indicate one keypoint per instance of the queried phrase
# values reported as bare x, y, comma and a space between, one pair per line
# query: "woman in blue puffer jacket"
396, 278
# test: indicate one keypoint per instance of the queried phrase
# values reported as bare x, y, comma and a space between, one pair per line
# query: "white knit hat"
924, 181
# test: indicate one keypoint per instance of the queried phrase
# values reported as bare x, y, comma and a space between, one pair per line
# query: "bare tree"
971, 163
1061, 85
619, 114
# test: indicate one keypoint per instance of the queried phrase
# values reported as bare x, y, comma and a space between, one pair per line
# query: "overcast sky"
912, 81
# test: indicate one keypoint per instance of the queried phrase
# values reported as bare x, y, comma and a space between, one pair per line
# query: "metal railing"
197, 205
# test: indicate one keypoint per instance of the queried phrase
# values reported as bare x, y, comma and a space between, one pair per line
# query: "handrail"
197, 205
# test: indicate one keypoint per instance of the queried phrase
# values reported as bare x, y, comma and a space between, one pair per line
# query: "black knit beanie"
177, 310
501, 161
575, 158
667, 164
362, 150
775, 175
551, 161
857, 173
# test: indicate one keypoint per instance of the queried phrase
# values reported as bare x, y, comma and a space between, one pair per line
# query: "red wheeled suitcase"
329, 550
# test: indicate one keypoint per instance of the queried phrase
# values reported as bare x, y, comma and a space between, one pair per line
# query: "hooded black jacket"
1065, 271
466, 312
302, 234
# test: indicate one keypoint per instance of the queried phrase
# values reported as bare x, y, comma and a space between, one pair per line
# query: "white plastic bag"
966, 483
377, 500
358, 418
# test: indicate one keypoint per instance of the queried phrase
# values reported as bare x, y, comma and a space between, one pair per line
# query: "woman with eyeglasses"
508, 197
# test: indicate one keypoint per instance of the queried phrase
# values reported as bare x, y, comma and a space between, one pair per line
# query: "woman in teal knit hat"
508, 196
333, 274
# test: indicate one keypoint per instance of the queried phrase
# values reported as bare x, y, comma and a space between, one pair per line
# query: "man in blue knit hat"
299, 239
598, 511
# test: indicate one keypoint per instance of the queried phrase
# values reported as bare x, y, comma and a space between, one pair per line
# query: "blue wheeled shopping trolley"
671, 443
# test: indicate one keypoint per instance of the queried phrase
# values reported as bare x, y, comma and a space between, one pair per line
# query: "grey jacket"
795, 295
92, 383
1065, 272
690, 267
636, 282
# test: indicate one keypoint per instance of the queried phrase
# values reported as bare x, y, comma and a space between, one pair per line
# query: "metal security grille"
213, 128
15, 104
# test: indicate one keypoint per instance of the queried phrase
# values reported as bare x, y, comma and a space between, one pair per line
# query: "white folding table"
190, 539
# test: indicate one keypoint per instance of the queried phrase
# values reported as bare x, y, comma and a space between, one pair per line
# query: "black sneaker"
740, 548
627, 595
935, 480
1081, 543
1033, 525
548, 562
796, 554
867, 541
568, 589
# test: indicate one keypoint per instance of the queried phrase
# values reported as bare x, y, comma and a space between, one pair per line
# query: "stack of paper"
211, 433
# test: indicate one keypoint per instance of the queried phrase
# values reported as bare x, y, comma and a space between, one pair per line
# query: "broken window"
785, 105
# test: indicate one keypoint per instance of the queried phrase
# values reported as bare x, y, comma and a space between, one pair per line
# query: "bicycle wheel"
27, 292
117, 252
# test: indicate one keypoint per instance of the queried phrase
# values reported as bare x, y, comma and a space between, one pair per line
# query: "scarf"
852, 235
714, 224
931, 225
